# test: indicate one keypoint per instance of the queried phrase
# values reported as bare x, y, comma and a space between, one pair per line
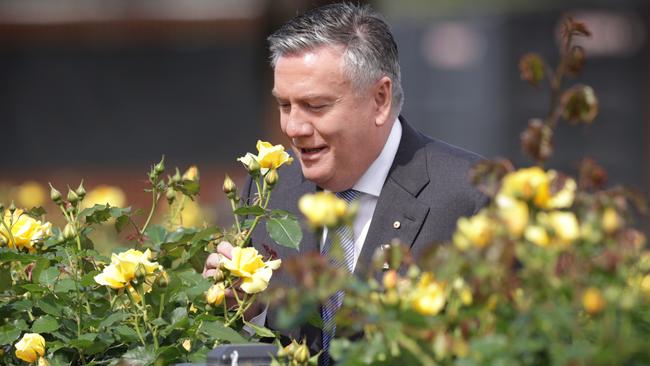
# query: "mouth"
311, 152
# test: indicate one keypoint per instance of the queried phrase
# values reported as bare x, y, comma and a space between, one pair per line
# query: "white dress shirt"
369, 187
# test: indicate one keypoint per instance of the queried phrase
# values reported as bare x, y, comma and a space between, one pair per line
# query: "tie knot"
348, 195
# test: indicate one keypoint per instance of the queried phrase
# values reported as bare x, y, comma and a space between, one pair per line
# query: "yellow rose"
514, 214
192, 173
24, 231
215, 294
247, 264
323, 209
537, 235
527, 184
474, 231
611, 220
187, 345
593, 301
31, 194
123, 267
429, 296
564, 197
272, 156
102, 195
250, 162
30, 347
565, 225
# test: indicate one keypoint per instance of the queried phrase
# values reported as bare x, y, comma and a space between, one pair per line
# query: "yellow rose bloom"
187, 345
537, 235
534, 184
611, 220
30, 194
514, 214
565, 225
30, 347
123, 267
215, 294
103, 194
323, 209
272, 156
247, 264
24, 231
429, 296
475, 231
565, 196
593, 301
192, 173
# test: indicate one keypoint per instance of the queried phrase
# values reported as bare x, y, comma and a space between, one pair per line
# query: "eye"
316, 107
284, 107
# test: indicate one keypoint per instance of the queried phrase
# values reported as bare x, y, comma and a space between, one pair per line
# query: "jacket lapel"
399, 214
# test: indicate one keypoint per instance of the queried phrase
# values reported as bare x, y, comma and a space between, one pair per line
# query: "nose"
297, 125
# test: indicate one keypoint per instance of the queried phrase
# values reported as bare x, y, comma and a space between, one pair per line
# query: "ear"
383, 97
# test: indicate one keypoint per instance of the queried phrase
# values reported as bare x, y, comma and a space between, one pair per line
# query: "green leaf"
65, 285
22, 305
249, 210
190, 188
45, 324
5, 280
139, 356
48, 276
126, 333
49, 306
36, 212
121, 222
260, 331
219, 331
34, 288
205, 234
8, 334
285, 231
156, 234
96, 214
10, 255
111, 319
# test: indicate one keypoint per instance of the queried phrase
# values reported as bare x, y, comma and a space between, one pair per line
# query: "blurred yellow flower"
124, 266
593, 301
43, 362
24, 231
323, 209
30, 347
514, 214
645, 285
191, 215
187, 345
564, 225
215, 294
30, 194
537, 235
429, 296
272, 156
104, 194
611, 220
534, 184
475, 231
192, 173
247, 264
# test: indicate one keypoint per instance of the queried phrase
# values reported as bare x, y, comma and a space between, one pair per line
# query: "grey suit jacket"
427, 190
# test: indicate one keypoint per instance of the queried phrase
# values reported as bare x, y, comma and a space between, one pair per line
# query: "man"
337, 84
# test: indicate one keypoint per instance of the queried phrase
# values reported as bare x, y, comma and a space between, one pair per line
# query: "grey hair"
370, 50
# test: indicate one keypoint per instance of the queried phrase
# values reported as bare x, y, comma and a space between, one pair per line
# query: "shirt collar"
372, 181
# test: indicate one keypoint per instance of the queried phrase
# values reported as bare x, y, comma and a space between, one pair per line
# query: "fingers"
225, 248
208, 273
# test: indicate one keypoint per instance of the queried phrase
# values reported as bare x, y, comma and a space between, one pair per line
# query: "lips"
311, 153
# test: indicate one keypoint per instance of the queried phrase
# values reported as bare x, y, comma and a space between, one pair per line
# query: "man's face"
334, 127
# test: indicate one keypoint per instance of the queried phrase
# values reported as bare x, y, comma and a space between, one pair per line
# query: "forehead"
319, 69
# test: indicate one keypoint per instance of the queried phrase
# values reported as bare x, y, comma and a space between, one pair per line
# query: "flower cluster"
126, 266
21, 231
325, 209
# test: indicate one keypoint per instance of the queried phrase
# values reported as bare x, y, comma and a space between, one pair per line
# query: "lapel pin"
397, 224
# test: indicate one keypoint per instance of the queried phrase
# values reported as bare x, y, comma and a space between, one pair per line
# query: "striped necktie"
345, 235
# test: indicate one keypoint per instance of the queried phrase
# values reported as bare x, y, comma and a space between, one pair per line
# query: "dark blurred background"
100, 89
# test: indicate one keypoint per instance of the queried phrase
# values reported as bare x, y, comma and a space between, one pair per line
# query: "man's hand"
224, 249
212, 264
